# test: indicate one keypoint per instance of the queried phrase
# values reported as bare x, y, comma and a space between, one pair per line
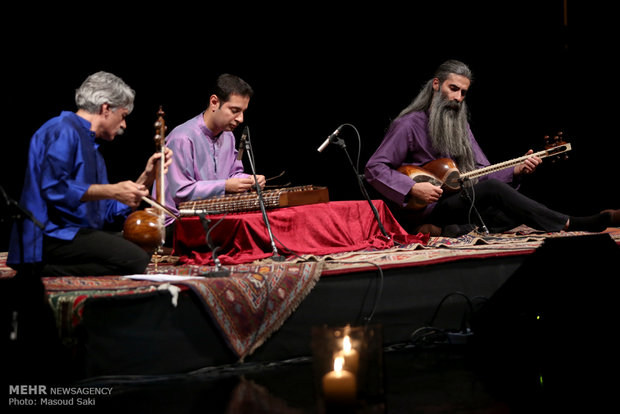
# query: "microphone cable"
472, 206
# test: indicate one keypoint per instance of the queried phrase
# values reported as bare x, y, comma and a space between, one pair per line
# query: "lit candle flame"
338, 363
346, 344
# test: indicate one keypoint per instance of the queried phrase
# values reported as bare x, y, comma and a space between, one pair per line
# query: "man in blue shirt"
66, 189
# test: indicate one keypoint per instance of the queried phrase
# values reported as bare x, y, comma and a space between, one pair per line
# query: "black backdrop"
314, 67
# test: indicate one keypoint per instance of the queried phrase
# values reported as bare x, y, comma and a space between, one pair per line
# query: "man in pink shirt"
205, 160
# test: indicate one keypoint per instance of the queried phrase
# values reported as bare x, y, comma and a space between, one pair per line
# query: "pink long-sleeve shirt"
202, 162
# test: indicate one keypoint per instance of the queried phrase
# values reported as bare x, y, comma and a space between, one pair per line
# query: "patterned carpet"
520, 241
247, 306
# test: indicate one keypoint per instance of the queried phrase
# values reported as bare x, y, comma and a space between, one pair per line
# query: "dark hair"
423, 101
227, 85
453, 66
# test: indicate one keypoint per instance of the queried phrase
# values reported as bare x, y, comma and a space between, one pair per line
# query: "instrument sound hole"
452, 180
427, 179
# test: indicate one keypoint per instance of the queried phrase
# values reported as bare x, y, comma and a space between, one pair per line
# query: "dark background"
538, 69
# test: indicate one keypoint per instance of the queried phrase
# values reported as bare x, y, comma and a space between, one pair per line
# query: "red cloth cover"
319, 229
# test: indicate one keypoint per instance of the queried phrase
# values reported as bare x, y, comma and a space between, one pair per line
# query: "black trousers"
500, 206
93, 253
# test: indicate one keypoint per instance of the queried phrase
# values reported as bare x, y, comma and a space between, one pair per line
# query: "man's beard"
448, 130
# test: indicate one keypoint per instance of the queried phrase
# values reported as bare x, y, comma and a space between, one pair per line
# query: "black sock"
597, 222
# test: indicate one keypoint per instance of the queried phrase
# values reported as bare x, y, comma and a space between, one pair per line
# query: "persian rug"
247, 306
519, 241
5, 271
253, 301
68, 295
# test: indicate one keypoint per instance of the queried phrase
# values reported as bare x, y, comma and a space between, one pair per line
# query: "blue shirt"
63, 162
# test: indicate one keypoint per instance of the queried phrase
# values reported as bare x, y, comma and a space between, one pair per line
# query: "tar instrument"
146, 227
443, 172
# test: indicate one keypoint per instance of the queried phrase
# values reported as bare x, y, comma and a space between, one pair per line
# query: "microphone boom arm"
340, 142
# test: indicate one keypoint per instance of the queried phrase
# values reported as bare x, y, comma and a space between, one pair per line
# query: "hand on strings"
238, 184
261, 180
529, 165
426, 193
152, 167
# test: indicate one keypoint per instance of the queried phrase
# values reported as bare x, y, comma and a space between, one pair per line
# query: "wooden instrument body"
146, 228
441, 172
444, 173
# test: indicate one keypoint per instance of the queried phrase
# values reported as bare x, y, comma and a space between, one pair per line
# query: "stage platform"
185, 319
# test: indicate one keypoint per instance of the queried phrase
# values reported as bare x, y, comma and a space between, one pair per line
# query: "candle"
339, 385
350, 355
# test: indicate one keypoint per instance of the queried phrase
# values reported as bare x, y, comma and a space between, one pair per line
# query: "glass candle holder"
348, 366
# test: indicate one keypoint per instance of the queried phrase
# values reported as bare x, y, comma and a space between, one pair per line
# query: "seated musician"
66, 190
205, 157
435, 126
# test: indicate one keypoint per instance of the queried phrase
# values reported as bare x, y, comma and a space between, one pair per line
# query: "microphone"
244, 137
330, 139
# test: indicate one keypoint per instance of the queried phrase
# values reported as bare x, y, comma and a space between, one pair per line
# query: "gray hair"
104, 88
423, 101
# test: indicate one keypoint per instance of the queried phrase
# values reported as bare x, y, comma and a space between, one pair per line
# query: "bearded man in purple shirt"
205, 160
435, 126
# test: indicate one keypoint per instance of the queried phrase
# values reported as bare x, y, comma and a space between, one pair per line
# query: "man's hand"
261, 180
151, 171
425, 193
529, 165
240, 185
127, 192
130, 193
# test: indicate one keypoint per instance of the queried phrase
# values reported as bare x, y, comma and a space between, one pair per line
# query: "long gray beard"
449, 133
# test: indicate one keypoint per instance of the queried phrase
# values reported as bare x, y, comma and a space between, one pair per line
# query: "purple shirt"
408, 142
201, 163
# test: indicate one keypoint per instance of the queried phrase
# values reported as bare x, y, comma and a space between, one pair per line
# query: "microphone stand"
26, 285
341, 144
19, 214
248, 146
